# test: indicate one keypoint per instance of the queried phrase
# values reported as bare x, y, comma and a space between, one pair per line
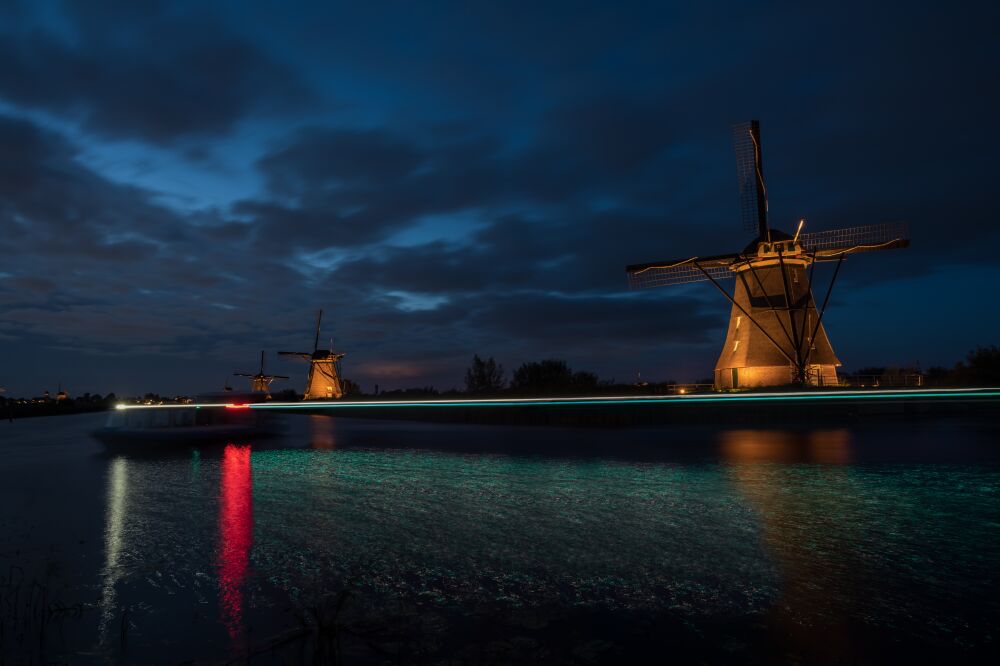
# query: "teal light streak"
632, 401
609, 400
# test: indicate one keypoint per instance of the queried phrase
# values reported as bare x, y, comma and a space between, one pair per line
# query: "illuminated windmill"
260, 381
776, 334
324, 369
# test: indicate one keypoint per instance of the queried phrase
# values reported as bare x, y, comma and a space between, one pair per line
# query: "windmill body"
323, 381
324, 377
775, 335
750, 355
260, 382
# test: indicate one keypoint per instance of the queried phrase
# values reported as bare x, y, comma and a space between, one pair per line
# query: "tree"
286, 395
550, 376
981, 367
484, 376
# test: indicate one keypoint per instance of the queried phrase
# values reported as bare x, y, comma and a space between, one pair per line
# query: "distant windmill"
776, 333
260, 381
324, 369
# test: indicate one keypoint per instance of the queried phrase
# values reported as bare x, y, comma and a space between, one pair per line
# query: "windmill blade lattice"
866, 238
753, 204
686, 271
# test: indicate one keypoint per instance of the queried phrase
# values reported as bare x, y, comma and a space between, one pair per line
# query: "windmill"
775, 334
324, 369
260, 381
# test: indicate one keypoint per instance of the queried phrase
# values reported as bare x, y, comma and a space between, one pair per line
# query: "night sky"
183, 184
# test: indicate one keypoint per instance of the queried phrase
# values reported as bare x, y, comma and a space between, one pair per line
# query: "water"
400, 542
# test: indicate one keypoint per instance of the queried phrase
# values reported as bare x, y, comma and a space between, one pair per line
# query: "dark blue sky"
183, 184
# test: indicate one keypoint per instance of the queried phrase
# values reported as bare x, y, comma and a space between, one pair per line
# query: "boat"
223, 417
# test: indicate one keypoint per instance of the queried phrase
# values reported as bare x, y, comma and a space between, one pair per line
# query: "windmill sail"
821, 245
680, 271
867, 238
750, 172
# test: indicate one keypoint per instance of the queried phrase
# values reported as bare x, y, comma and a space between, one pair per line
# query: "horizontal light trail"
631, 400
199, 405
607, 400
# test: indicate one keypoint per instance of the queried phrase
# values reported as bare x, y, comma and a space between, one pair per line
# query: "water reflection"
160, 529
761, 528
235, 534
114, 530
322, 434
781, 446
809, 527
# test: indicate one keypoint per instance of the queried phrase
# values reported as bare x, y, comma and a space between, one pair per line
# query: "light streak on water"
235, 534
113, 544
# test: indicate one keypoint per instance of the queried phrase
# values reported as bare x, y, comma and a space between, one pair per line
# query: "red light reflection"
235, 534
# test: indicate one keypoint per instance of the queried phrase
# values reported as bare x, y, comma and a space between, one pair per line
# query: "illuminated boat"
212, 417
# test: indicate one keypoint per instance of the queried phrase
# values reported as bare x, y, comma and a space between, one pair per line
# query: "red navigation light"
237, 406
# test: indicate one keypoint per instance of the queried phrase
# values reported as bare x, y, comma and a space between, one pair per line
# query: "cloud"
152, 75
488, 178
101, 261
316, 160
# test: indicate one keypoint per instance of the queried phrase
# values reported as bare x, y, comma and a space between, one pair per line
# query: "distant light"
237, 406
120, 406
682, 391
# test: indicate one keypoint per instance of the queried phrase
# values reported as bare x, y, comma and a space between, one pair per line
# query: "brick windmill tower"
776, 335
323, 381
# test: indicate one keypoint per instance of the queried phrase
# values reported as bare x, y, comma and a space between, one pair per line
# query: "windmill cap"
776, 235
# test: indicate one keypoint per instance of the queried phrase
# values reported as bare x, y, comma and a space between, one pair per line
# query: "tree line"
12, 408
548, 376
486, 376
981, 367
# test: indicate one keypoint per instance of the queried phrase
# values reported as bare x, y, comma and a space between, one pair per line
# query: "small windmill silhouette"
260, 381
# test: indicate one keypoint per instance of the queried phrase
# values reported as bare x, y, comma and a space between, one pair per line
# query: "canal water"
395, 542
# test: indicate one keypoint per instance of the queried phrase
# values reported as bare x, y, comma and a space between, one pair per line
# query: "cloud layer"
460, 182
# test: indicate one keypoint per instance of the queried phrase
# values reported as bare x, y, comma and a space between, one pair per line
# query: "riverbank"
23, 410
